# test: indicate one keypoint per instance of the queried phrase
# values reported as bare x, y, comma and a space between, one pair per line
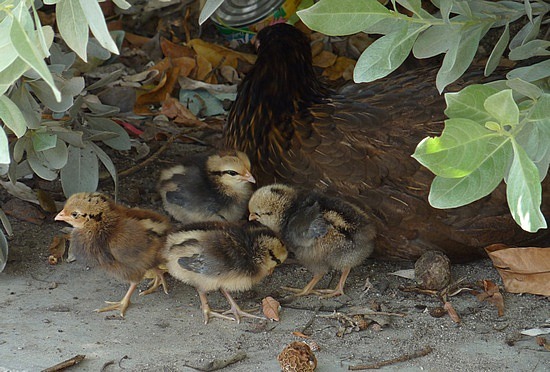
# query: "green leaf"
3, 250
460, 56
40, 165
81, 172
120, 142
415, 6
4, 148
527, 33
445, 6
30, 109
28, 52
69, 89
343, 17
73, 26
524, 88
534, 139
11, 74
122, 4
96, 21
502, 107
210, 6
108, 163
386, 54
42, 141
40, 33
498, 51
12, 116
531, 49
462, 147
456, 192
531, 73
7, 50
468, 103
524, 191
57, 156
436, 40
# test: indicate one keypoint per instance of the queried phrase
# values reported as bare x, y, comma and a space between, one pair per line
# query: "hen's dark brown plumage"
358, 143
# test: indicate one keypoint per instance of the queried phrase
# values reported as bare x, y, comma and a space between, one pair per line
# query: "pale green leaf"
456, 192
445, 6
81, 172
386, 54
7, 50
72, 137
30, 109
534, 138
6, 223
73, 26
11, 74
96, 21
40, 166
531, 73
12, 117
4, 148
502, 107
498, 51
56, 157
210, 6
415, 6
531, 49
122, 4
436, 40
27, 52
459, 56
3, 250
527, 33
343, 17
528, 9
524, 191
42, 141
468, 103
108, 163
41, 37
20, 147
527, 89
461, 148
120, 142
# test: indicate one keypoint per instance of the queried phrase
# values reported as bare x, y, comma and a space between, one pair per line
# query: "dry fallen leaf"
343, 68
57, 249
324, 59
523, 270
492, 295
300, 334
158, 93
271, 308
215, 53
176, 111
170, 49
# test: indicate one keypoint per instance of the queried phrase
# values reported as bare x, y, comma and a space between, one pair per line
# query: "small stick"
150, 159
417, 354
217, 364
65, 364
310, 321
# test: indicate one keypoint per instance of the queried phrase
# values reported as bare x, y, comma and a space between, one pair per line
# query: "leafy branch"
497, 131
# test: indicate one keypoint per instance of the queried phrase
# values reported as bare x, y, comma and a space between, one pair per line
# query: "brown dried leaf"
300, 334
324, 59
203, 71
157, 94
215, 53
452, 312
174, 50
175, 110
271, 308
343, 68
46, 201
57, 249
523, 270
492, 295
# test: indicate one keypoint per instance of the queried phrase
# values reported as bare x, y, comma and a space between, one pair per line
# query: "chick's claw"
156, 282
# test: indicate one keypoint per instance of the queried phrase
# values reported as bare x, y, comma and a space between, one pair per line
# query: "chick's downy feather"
207, 187
224, 256
323, 232
357, 143
126, 242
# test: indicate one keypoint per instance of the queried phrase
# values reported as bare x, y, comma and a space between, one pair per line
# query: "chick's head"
269, 203
231, 172
85, 209
276, 252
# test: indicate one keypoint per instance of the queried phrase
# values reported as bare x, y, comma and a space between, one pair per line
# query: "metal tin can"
240, 19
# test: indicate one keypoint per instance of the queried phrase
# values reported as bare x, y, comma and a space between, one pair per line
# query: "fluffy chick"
208, 188
126, 242
323, 232
224, 256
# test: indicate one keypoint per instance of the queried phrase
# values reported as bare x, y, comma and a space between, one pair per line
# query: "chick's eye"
74, 214
231, 172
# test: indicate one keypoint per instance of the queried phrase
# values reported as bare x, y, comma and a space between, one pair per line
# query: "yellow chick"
126, 242
225, 256
323, 232
208, 188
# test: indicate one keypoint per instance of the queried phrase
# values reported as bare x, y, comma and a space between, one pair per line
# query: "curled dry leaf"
57, 249
216, 53
324, 59
271, 308
175, 110
492, 295
170, 49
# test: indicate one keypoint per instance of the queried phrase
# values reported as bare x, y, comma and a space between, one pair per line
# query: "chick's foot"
157, 281
121, 305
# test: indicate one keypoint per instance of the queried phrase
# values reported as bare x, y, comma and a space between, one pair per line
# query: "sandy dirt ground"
47, 315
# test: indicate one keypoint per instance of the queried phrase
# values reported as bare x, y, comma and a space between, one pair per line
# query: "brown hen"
358, 143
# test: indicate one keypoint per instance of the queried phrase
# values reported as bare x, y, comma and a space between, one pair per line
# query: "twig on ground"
311, 320
417, 354
106, 364
217, 364
150, 159
65, 364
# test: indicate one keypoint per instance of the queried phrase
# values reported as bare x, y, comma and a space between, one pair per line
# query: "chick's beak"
248, 178
61, 216
253, 217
